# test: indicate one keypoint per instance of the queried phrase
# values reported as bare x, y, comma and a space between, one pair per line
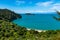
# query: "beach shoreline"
37, 30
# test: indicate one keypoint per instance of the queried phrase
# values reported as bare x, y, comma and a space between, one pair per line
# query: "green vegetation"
11, 31
8, 15
57, 18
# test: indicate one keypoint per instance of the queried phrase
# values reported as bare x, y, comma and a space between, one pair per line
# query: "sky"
31, 6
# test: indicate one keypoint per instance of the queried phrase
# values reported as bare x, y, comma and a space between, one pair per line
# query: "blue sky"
31, 6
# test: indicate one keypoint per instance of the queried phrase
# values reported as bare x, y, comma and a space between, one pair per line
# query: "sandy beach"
37, 30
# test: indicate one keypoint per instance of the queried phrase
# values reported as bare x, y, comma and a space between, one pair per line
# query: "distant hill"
29, 14
7, 14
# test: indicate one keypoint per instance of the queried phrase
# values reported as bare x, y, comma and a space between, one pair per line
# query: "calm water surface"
39, 21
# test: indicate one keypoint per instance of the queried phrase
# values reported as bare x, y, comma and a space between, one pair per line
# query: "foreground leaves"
10, 31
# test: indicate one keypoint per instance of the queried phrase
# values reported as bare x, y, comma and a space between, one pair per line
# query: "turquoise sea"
39, 22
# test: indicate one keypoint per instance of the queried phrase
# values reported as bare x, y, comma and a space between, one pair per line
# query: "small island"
29, 14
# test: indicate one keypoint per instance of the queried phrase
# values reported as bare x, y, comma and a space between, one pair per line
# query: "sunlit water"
39, 21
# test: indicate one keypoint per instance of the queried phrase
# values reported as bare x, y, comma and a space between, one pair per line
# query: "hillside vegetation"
8, 15
10, 31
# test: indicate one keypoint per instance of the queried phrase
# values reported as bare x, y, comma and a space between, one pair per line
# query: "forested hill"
6, 14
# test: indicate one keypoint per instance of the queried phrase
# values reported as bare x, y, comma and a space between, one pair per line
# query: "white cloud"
40, 7
49, 6
45, 4
18, 2
34, 11
56, 6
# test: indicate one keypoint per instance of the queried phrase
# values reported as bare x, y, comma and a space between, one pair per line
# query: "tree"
57, 18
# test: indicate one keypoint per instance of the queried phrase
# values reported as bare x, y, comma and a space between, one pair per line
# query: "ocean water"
39, 22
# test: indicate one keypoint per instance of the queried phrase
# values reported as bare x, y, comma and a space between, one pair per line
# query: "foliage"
11, 31
57, 18
8, 15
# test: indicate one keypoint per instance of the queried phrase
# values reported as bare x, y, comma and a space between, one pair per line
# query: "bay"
39, 22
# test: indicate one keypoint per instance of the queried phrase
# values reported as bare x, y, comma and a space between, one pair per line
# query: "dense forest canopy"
11, 31
7, 14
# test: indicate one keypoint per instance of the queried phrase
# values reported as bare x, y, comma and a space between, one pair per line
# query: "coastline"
37, 30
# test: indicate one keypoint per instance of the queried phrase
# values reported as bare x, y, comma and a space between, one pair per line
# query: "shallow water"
39, 22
